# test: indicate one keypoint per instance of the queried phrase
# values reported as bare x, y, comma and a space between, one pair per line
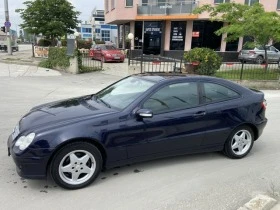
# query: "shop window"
129, 3
251, 2
177, 35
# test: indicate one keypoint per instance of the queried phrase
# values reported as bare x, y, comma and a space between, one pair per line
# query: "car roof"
165, 77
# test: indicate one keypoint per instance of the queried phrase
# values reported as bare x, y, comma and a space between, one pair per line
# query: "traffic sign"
8, 24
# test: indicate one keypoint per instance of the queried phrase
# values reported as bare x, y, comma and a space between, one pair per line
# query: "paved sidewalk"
15, 70
277, 207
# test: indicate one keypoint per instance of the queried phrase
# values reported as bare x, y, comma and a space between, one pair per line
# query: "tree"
243, 20
21, 38
51, 18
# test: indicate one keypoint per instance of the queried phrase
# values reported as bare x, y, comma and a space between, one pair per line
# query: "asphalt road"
196, 182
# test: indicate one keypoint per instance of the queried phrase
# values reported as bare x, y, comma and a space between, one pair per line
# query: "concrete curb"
260, 202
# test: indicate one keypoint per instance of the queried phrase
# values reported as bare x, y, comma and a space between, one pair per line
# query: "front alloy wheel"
76, 165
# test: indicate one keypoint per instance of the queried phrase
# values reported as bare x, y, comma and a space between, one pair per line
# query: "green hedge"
207, 60
45, 42
57, 59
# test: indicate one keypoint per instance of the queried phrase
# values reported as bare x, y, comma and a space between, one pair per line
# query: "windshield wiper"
102, 101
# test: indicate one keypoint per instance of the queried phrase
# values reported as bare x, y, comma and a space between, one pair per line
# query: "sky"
84, 6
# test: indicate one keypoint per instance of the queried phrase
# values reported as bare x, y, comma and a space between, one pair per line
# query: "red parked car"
106, 53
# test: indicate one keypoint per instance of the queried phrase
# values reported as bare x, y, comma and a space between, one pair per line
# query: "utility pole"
9, 46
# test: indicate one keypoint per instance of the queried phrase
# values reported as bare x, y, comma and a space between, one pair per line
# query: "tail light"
264, 104
252, 52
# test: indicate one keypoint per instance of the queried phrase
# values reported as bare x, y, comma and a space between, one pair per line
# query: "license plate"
117, 58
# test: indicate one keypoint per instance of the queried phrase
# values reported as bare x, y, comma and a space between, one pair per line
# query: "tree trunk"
265, 58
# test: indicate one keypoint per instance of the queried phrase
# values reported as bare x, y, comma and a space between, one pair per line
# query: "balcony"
171, 7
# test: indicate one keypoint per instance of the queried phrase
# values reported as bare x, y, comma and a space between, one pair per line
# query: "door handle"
200, 114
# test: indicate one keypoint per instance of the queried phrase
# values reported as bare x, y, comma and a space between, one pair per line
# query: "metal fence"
249, 71
229, 70
88, 64
154, 63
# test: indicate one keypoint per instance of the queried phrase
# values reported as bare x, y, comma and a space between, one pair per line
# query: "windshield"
108, 47
124, 92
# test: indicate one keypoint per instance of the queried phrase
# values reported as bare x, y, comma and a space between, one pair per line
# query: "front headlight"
24, 141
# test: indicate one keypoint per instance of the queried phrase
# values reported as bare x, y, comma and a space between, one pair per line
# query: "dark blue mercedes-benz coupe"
138, 118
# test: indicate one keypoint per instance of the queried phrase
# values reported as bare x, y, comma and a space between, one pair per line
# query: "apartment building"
169, 25
100, 30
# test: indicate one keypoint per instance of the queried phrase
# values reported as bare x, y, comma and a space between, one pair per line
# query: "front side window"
251, 2
173, 97
129, 3
124, 92
214, 92
221, 1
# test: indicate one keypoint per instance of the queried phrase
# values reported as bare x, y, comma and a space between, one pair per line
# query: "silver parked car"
257, 54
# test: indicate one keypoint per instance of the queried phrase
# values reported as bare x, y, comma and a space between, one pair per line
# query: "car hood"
64, 111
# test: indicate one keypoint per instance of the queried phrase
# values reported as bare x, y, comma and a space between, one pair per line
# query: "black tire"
259, 60
228, 147
62, 155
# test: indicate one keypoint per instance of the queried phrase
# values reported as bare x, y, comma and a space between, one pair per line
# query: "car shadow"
163, 164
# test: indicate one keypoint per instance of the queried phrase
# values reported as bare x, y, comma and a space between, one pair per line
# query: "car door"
222, 104
177, 124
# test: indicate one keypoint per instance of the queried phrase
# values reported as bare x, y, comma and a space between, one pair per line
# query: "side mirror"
144, 113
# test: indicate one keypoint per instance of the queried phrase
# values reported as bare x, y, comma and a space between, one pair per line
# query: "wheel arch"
88, 140
254, 129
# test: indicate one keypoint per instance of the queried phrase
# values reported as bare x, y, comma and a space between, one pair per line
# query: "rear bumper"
260, 128
31, 163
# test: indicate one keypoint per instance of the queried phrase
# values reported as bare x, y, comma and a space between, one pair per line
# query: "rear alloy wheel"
76, 165
259, 60
239, 143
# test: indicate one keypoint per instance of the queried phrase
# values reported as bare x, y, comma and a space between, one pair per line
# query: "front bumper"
30, 163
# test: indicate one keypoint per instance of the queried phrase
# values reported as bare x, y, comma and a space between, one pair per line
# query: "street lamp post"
7, 18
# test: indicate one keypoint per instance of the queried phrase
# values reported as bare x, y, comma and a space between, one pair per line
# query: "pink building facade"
169, 25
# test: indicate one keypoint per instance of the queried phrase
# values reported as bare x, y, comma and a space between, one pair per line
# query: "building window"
251, 2
221, 1
161, 2
86, 30
178, 34
129, 3
97, 30
278, 4
144, 2
113, 4
105, 35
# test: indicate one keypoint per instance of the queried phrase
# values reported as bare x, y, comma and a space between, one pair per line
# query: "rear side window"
214, 92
